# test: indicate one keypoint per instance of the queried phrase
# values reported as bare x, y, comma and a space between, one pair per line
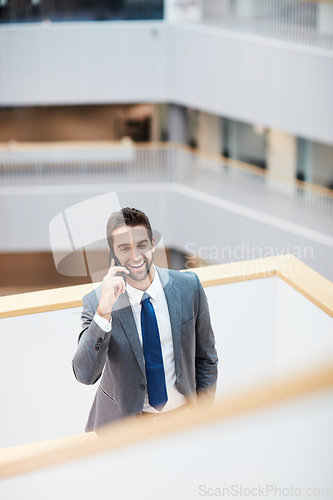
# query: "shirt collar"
153, 289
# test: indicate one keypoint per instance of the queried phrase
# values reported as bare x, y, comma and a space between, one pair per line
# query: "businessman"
146, 332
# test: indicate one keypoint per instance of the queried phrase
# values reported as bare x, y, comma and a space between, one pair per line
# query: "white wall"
266, 331
302, 331
224, 73
71, 63
210, 133
40, 397
253, 80
282, 154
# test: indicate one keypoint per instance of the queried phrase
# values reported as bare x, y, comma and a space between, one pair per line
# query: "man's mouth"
137, 266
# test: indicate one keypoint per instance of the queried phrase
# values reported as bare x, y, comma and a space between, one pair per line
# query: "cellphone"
117, 263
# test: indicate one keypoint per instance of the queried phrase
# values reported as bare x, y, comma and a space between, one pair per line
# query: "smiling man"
146, 332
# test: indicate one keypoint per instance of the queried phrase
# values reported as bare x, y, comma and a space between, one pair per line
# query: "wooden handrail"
301, 277
330, 2
255, 170
26, 458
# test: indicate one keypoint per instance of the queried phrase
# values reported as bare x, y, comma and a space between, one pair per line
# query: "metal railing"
223, 179
302, 22
293, 21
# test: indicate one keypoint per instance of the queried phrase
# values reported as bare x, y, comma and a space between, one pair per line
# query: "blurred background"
213, 116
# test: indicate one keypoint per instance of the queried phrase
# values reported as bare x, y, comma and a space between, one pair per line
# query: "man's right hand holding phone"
113, 286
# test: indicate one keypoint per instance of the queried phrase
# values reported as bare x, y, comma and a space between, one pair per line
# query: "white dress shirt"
158, 300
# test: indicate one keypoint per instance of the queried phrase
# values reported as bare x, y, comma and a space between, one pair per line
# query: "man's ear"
153, 242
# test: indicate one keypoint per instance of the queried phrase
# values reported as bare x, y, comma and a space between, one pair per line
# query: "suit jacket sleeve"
205, 356
90, 356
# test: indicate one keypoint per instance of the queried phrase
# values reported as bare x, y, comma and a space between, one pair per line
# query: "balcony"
270, 426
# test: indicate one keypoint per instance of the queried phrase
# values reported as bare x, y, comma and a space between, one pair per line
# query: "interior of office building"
214, 117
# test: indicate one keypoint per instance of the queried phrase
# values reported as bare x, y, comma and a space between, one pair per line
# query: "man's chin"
140, 276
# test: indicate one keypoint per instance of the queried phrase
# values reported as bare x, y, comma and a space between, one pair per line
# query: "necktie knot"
145, 298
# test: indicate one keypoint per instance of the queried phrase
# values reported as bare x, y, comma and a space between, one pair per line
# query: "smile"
138, 266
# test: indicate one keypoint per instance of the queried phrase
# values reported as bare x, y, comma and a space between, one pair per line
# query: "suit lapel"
173, 300
124, 312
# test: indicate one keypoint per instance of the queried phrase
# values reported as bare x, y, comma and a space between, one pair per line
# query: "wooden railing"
26, 458
287, 267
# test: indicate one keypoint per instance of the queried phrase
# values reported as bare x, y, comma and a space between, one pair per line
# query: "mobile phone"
117, 263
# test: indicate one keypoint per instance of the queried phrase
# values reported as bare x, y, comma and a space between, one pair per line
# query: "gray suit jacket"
119, 352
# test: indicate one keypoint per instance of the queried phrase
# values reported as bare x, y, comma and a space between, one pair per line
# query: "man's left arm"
205, 354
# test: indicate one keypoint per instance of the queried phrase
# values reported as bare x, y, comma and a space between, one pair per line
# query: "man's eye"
124, 249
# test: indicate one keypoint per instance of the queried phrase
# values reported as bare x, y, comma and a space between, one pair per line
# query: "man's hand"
113, 286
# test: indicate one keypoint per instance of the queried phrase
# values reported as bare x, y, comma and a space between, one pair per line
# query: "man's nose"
135, 253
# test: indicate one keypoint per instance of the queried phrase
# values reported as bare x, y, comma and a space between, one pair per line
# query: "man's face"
134, 250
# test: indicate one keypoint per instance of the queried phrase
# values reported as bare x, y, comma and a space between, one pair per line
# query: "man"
146, 329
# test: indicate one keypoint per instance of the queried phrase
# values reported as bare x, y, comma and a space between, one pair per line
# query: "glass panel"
18, 11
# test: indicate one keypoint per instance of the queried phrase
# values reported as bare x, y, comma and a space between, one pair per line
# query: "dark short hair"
127, 217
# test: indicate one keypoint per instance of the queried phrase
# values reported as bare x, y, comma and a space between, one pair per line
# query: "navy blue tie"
157, 393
